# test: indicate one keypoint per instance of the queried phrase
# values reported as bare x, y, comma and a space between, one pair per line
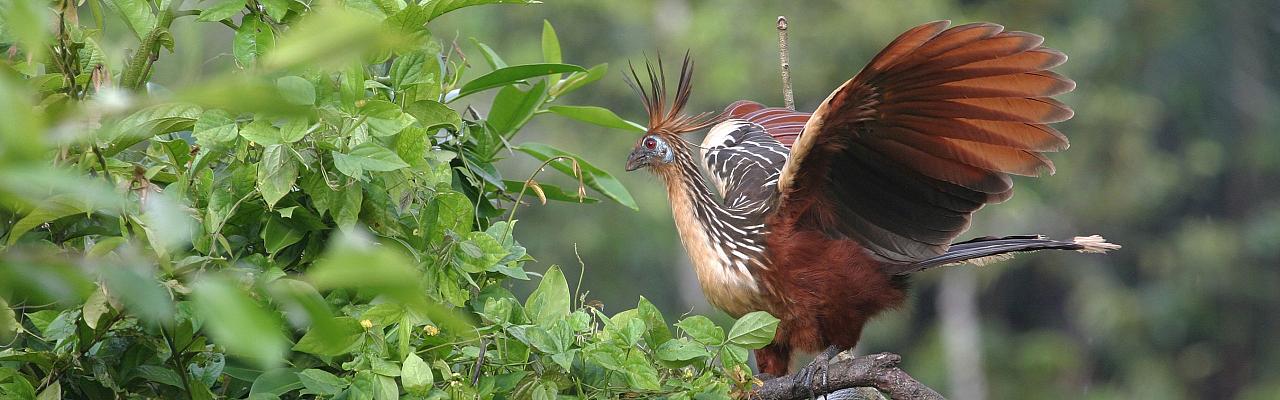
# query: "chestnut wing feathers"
900, 156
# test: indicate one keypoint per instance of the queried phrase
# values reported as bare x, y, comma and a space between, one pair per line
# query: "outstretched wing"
900, 156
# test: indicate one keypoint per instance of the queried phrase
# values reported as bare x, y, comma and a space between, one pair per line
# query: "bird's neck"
707, 232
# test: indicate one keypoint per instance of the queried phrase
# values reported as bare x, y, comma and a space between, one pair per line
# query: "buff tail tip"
1094, 244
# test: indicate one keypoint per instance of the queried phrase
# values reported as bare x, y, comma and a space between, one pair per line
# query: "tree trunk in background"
961, 333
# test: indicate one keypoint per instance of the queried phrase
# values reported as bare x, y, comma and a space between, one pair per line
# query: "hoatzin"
817, 218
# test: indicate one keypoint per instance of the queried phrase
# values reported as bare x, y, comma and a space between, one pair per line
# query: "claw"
818, 367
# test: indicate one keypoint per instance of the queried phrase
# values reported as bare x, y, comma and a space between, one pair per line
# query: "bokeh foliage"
322, 218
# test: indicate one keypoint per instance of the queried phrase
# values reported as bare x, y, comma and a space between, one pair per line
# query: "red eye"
650, 143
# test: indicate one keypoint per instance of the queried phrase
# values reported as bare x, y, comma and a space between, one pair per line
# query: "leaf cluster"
324, 220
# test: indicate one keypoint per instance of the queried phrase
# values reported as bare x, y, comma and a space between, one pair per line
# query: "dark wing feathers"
745, 163
900, 156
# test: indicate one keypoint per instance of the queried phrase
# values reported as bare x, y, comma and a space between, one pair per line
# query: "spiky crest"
670, 120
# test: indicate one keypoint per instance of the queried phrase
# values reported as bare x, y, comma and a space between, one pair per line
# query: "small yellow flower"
367, 324
431, 330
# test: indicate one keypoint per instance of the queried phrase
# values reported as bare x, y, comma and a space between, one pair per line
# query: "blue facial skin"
651, 147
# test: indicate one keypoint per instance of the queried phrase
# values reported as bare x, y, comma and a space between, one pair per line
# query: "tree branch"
784, 60
846, 371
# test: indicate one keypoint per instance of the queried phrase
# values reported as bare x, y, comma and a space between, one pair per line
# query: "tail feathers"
986, 250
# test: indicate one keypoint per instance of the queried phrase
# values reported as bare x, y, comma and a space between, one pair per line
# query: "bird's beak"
638, 158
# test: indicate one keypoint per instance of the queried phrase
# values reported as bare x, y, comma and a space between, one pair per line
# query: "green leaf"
640, 373
513, 107
367, 157
681, 349
412, 145
550, 301
137, 14
550, 47
385, 118
8, 322
513, 74
94, 308
261, 131
449, 210
277, 234
754, 330
200, 391
148, 122
598, 116
440, 7
156, 373
237, 322
546, 390
416, 374
62, 327
50, 209
296, 90
253, 40
348, 210
701, 329
633, 331
276, 173
294, 129
433, 114
321, 382
594, 178
579, 79
732, 354
334, 343
275, 8
42, 319
204, 367
275, 382
407, 69
479, 252
52, 392
221, 10
215, 127
565, 359
494, 60
658, 332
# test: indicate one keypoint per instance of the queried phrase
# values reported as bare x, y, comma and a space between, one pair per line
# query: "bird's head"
660, 145
652, 151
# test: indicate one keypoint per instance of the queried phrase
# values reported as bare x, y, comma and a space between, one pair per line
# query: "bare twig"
785, 61
847, 371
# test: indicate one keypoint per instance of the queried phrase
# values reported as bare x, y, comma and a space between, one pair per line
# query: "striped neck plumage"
685, 180
725, 247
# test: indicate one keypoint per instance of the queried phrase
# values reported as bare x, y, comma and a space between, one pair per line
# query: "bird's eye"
650, 143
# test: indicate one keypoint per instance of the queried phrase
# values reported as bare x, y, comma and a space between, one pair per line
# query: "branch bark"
846, 371
784, 61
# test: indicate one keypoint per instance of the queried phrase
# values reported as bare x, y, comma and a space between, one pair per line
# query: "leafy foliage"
321, 221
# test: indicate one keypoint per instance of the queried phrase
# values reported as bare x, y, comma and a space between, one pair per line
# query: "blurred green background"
1175, 154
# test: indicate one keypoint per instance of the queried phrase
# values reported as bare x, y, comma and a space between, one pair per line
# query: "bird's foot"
817, 369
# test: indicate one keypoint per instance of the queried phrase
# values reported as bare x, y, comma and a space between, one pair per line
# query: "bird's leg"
817, 367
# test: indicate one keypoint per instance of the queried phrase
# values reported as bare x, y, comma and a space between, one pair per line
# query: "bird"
818, 218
